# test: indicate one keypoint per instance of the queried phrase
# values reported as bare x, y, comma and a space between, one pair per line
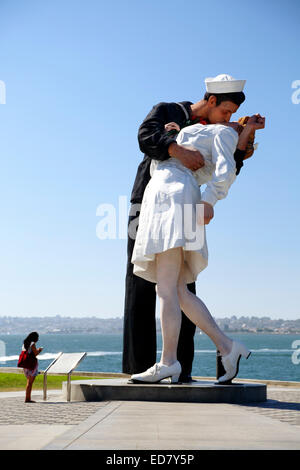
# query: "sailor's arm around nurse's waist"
191, 158
155, 141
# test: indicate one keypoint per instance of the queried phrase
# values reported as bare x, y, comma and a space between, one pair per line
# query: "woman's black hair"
237, 97
31, 338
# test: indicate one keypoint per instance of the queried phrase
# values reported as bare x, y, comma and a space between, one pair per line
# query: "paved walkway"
115, 425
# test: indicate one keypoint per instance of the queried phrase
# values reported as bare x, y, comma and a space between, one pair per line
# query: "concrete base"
195, 392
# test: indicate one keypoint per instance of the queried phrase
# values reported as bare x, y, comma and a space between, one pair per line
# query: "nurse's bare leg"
197, 312
168, 266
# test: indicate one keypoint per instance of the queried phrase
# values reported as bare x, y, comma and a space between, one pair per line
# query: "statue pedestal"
194, 392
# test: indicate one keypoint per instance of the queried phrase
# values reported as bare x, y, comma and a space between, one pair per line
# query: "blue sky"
80, 77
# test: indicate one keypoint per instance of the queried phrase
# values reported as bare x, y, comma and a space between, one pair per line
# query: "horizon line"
122, 317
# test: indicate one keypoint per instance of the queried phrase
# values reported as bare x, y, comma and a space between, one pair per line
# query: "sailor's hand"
172, 126
190, 157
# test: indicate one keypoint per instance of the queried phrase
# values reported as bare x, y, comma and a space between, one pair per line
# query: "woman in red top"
29, 345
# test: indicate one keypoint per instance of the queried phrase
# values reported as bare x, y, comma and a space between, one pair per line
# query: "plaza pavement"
118, 425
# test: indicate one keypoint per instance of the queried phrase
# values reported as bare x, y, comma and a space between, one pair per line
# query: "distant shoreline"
109, 326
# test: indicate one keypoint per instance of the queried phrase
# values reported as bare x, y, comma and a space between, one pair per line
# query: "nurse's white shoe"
157, 373
232, 360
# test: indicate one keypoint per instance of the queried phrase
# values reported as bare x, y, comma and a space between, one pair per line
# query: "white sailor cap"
224, 84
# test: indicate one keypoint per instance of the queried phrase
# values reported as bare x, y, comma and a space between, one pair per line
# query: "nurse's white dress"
168, 216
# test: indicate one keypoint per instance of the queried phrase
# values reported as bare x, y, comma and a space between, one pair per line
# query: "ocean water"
272, 355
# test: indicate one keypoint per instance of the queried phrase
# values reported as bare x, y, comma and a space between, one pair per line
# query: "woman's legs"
174, 296
168, 266
197, 312
30, 381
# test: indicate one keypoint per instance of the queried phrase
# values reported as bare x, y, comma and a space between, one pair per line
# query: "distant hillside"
59, 324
